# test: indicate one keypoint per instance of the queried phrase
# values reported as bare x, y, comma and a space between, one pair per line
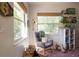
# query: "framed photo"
6, 9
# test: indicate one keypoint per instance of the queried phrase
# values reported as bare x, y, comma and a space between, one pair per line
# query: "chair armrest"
40, 44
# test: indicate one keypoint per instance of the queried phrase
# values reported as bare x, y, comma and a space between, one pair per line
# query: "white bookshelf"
70, 38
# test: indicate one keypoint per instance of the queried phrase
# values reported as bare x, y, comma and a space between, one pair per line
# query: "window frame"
19, 20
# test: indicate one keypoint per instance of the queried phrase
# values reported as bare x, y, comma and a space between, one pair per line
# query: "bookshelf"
70, 31
70, 38
69, 22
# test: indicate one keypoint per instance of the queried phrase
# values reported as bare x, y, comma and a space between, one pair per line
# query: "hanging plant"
65, 22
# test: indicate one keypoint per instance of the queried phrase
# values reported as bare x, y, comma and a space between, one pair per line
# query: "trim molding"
49, 14
22, 6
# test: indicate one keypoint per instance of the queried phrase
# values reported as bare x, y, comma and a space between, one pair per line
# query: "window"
49, 23
20, 26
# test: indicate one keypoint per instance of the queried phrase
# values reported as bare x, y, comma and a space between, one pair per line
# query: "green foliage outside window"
49, 23
18, 22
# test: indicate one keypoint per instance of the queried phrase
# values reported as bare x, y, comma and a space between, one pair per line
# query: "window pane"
49, 23
49, 19
18, 14
48, 27
18, 29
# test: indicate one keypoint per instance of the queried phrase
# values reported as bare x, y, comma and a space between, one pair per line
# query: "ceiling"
41, 3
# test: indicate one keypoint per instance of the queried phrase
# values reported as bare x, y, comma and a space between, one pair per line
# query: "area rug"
74, 53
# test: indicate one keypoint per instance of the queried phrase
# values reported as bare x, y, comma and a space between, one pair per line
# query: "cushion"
48, 44
38, 38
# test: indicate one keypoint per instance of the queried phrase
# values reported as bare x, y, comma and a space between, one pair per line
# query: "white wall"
35, 8
6, 36
7, 47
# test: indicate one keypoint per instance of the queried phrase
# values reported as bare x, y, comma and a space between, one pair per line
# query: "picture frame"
6, 9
